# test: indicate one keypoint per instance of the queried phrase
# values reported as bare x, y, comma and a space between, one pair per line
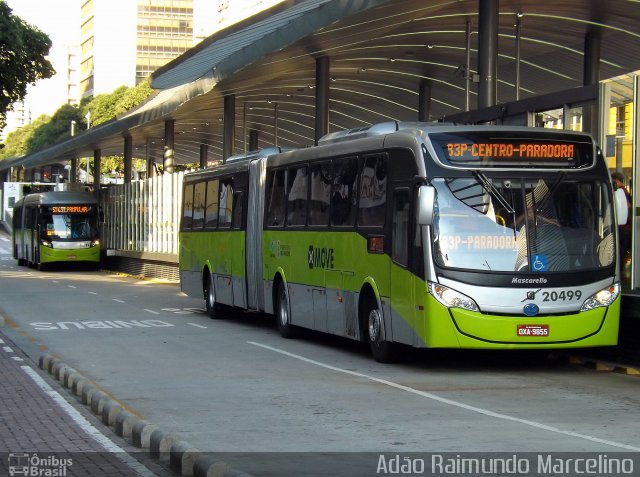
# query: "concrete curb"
604, 366
182, 457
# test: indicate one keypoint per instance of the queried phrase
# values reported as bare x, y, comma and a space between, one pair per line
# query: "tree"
49, 131
15, 144
105, 107
56, 129
102, 106
23, 51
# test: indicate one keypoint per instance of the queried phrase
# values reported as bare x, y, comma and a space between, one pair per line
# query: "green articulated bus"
430, 235
55, 227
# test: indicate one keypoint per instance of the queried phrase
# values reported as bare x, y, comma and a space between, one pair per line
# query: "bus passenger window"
275, 200
198, 205
297, 196
373, 191
321, 178
211, 210
225, 212
343, 196
238, 209
187, 207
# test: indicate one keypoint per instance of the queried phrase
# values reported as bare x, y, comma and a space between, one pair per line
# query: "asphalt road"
235, 386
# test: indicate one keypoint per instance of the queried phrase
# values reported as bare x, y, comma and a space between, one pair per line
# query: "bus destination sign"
493, 150
511, 151
69, 209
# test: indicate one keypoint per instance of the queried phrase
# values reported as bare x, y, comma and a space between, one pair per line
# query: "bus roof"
235, 163
59, 197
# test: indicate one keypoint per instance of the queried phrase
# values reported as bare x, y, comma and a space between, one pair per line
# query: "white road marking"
86, 426
1, 341
450, 402
119, 301
7, 349
71, 286
16, 358
151, 311
92, 293
197, 326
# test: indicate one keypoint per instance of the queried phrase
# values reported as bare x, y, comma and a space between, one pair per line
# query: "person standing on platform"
625, 229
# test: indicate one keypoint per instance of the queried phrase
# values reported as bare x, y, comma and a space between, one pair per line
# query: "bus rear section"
522, 243
57, 227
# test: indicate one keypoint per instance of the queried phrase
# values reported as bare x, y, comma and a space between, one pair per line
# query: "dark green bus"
54, 227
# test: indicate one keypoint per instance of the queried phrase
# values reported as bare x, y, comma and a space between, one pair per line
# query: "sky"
60, 20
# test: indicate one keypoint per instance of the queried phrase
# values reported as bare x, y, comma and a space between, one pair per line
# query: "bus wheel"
382, 351
283, 317
213, 308
37, 263
20, 260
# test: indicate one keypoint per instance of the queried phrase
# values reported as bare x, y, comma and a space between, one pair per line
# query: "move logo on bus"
320, 257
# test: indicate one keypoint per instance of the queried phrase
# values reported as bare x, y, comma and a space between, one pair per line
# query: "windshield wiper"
493, 192
552, 191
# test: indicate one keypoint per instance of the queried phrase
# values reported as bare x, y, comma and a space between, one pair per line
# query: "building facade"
122, 41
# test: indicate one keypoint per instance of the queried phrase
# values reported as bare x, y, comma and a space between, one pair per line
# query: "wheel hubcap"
211, 295
374, 326
284, 314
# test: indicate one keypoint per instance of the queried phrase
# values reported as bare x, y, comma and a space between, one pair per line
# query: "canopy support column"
204, 155
322, 97
488, 53
229, 134
424, 101
169, 152
591, 75
97, 160
128, 155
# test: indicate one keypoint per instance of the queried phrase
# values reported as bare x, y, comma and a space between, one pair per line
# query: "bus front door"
238, 252
403, 282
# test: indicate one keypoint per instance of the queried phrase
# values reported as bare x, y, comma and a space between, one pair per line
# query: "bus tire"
283, 313
15, 255
37, 263
381, 350
213, 307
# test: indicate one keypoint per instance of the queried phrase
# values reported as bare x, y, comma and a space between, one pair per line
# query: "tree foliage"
57, 129
46, 131
15, 144
23, 51
105, 107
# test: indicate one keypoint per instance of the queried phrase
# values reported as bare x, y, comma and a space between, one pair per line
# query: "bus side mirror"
426, 204
622, 212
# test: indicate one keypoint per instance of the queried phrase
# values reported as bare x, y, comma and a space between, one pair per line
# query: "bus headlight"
46, 243
604, 297
95, 243
451, 298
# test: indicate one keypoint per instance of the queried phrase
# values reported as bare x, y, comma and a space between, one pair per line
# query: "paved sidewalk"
40, 429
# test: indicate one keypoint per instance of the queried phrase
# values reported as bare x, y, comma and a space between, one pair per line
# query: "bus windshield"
523, 225
76, 222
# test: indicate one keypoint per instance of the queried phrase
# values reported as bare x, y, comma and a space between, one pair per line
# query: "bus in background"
55, 227
429, 235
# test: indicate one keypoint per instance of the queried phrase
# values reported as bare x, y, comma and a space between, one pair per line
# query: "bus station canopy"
380, 52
